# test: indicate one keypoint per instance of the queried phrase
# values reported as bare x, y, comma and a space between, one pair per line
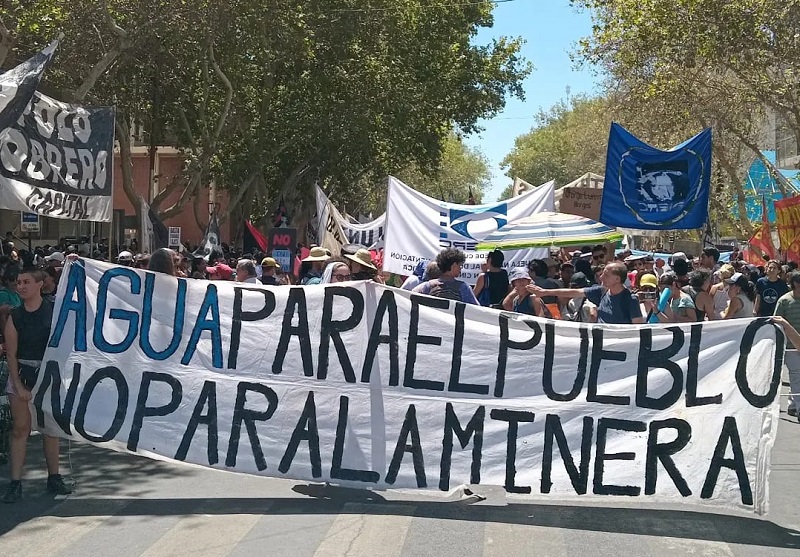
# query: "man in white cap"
125, 258
317, 257
55, 259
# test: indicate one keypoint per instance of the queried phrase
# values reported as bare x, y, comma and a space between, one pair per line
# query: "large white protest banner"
334, 230
418, 227
366, 385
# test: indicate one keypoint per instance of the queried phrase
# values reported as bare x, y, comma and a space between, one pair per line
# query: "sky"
551, 28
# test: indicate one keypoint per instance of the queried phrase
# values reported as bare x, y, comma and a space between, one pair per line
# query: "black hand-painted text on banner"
368, 385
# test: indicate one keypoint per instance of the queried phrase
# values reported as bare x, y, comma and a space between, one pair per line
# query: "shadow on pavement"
106, 477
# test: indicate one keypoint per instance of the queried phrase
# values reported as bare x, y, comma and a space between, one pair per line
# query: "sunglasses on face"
341, 277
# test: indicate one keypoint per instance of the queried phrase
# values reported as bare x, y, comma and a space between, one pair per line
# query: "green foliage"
687, 64
268, 98
462, 170
568, 141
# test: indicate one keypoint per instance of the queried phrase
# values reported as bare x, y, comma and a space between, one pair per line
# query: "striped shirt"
788, 307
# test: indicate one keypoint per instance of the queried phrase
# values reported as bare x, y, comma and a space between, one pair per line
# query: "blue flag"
646, 188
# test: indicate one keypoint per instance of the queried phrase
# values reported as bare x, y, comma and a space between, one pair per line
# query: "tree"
461, 172
724, 65
266, 99
568, 141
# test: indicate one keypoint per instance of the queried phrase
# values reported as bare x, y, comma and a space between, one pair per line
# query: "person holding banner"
26, 335
447, 285
362, 267
788, 308
335, 272
615, 303
520, 300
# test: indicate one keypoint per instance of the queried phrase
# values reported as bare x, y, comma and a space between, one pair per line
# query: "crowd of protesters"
591, 285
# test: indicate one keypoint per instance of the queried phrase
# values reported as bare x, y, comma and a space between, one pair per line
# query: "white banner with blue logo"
418, 227
646, 188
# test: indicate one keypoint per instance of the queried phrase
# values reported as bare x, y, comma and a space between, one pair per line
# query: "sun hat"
362, 257
518, 273
317, 254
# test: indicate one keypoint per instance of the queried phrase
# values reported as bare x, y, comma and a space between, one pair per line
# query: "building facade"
168, 163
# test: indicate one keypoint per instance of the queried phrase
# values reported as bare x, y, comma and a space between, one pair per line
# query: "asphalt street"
129, 505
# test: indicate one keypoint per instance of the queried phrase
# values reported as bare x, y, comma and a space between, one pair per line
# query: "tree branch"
244, 188
7, 41
223, 116
191, 189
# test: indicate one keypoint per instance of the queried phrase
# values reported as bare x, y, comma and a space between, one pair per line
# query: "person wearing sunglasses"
599, 254
336, 272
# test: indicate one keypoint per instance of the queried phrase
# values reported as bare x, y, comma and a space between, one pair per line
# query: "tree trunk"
126, 164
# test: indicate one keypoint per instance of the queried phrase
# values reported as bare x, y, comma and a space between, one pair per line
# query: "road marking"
47, 535
203, 535
501, 540
354, 532
682, 546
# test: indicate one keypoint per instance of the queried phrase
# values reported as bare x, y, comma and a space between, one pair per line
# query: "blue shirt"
770, 293
620, 308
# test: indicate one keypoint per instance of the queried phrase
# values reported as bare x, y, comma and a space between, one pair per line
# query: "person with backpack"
449, 261
615, 303
579, 309
492, 285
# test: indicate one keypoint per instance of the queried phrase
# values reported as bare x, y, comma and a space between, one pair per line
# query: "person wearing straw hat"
317, 257
361, 265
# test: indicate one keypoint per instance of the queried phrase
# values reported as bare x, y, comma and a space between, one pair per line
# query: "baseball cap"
579, 280
55, 256
125, 256
734, 278
220, 271
648, 280
518, 273
270, 262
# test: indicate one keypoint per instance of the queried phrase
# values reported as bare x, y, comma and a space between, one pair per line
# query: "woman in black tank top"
26, 335
492, 285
